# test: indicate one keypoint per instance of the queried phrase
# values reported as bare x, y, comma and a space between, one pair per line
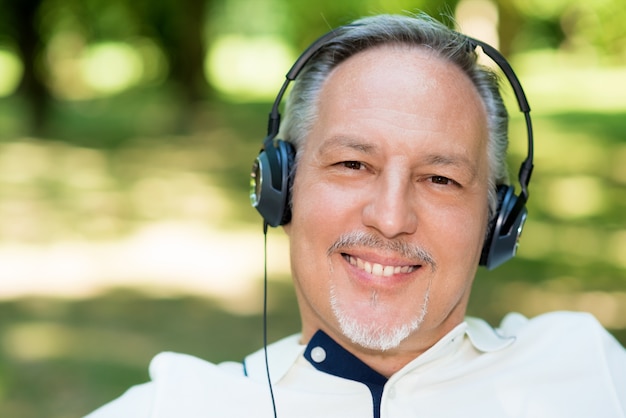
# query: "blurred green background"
127, 130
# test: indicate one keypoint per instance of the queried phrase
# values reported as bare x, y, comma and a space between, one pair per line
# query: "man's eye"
353, 165
440, 180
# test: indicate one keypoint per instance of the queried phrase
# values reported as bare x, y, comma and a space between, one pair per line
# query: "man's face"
390, 201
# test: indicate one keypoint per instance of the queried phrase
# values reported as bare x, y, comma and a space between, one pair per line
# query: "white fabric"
556, 365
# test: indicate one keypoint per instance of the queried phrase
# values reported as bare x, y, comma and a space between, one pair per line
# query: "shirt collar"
484, 337
338, 361
281, 355
329, 357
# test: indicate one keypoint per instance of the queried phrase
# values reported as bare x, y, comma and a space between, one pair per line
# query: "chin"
368, 331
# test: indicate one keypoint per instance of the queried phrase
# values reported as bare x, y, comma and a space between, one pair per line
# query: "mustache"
407, 250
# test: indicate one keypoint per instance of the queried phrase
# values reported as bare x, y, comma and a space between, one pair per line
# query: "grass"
106, 168
63, 358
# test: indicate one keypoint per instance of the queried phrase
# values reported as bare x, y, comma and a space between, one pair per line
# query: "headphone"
271, 176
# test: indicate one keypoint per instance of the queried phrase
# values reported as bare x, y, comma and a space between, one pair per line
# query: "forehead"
400, 90
403, 70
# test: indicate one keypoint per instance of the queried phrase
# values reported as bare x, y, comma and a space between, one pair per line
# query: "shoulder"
571, 344
184, 385
564, 326
518, 321
561, 331
558, 361
169, 365
172, 375
554, 329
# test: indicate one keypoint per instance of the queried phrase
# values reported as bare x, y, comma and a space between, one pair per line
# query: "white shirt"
555, 365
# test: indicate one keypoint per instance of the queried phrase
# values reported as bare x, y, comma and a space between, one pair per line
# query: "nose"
390, 208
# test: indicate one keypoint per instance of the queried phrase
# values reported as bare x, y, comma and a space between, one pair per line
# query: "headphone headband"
526, 168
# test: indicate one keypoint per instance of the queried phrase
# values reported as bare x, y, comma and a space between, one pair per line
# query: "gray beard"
375, 336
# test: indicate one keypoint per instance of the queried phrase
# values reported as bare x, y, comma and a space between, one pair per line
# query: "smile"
376, 269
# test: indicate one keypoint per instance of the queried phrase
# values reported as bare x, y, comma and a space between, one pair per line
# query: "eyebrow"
456, 160
346, 142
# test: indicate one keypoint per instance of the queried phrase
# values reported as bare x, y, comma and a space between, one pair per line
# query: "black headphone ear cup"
505, 229
270, 182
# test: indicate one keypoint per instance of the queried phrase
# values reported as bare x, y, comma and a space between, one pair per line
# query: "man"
399, 141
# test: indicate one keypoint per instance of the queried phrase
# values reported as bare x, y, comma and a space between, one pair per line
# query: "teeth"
378, 269
386, 271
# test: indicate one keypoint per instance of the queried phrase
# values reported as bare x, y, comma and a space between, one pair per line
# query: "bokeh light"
10, 72
248, 68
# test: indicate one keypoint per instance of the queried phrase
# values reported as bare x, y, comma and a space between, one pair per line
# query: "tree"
20, 22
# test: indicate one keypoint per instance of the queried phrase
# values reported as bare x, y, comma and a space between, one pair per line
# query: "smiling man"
390, 204
391, 185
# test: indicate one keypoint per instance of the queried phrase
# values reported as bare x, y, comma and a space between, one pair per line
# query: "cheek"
320, 208
310, 225
311, 232
456, 237
458, 230
456, 247
321, 212
463, 236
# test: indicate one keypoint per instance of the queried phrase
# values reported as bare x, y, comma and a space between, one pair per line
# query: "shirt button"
391, 393
318, 354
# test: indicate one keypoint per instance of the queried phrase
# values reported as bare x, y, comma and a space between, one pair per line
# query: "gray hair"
302, 104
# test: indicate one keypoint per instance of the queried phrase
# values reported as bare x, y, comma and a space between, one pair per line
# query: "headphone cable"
267, 365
